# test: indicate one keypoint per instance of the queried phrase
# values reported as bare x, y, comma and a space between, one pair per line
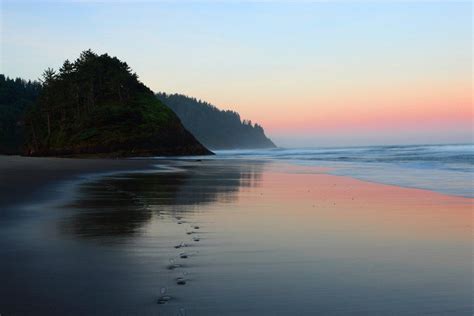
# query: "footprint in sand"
163, 298
181, 280
180, 245
173, 265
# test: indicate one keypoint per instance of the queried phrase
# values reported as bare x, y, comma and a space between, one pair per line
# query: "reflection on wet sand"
121, 205
237, 237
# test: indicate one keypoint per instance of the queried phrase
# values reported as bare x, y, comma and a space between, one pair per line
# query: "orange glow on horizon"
436, 107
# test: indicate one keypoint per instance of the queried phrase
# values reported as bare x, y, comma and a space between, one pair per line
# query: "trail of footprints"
182, 279
164, 297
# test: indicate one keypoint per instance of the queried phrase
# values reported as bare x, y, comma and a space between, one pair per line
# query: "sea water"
442, 168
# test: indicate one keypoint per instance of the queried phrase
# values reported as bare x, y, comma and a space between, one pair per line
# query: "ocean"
446, 169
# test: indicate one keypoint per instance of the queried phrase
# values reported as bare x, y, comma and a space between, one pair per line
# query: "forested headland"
97, 106
215, 128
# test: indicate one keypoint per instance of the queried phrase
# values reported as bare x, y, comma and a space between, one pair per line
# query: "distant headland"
216, 129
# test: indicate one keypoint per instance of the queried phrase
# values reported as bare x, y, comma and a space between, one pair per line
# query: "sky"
323, 73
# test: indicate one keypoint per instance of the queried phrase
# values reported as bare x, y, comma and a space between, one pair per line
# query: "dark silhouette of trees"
96, 104
16, 96
216, 129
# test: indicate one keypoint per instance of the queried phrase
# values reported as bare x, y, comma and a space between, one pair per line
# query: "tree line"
16, 96
75, 90
96, 103
217, 129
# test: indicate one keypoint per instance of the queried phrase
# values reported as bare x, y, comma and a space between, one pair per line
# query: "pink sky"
319, 73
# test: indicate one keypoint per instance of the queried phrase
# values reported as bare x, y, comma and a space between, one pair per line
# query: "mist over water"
447, 169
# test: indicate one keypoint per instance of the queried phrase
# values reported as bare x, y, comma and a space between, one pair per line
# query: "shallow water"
442, 168
274, 239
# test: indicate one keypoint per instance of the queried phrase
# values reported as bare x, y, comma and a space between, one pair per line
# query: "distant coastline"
216, 128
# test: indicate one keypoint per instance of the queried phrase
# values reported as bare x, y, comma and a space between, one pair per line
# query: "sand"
259, 238
23, 178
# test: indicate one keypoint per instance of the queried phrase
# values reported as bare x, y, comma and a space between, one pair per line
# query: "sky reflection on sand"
275, 239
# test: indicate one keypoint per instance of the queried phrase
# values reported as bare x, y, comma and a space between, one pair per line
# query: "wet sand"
246, 237
25, 179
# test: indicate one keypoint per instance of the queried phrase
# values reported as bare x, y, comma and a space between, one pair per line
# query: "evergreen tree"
16, 96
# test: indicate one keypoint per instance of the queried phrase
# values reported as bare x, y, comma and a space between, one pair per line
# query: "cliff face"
97, 107
216, 129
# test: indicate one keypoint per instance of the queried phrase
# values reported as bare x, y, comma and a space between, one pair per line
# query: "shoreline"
26, 180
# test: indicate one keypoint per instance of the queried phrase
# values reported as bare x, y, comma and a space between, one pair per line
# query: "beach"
247, 237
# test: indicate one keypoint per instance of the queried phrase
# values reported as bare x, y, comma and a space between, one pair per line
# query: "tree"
16, 97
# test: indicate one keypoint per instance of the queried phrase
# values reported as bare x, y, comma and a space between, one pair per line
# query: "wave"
443, 168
